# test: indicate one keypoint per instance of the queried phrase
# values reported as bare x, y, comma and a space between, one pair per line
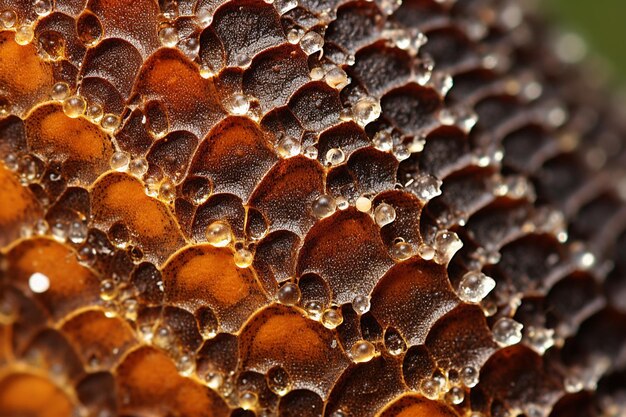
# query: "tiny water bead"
43, 7
366, 110
540, 339
362, 351
363, 204
138, 167
110, 122
278, 380
507, 331
218, 234
323, 206
342, 202
337, 78
455, 396
94, 112
310, 152
402, 250
475, 286
314, 309
446, 244
335, 156
288, 146
8, 18
469, 376
426, 187
74, 106
430, 388
38, 283
426, 252
239, 104
77, 232
108, 289
60, 91
168, 36
394, 342
119, 161
243, 257
288, 294
248, 400
332, 318
311, 42
384, 214
167, 191
383, 141
361, 304
24, 35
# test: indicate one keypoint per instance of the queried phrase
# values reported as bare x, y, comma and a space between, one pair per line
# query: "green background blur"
602, 23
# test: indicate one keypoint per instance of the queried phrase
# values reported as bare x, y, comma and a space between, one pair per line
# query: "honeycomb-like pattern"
306, 208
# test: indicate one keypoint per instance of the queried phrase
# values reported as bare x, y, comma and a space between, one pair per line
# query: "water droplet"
89, 28
163, 338
416, 144
130, 308
248, 400
402, 250
540, 339
426, 187
394, 342
323, 206
475, 286
206, 71
363, 204
119, 161
167, 191
294, 35
311, 42
185, 364
94, 112
239, 104
361, 304
283, 6
38, 283
218, 234
426, 252
74, 106
110, 122
332, 318
168, 36
362, 351
310, 152
77, 232
288, 294
337, 78
383, 141
424, 70
108, 289
384, 214
430, 388
24, 35
288, 146
342, 203
446, 244
335, 156
455, 396
207, 322
401, 152
138, 167
366, 110
243, 258
469, 376
8, 18
507, 331
462, 117
390, 6
313, 309
278, 380
60, 91
441, 82
43, 7
214, 380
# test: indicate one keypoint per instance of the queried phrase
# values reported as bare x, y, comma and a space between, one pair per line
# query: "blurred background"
602, 23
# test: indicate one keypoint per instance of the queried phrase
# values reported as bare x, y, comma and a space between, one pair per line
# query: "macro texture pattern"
339, 208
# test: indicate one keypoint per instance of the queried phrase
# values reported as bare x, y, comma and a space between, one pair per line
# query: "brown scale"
197, 276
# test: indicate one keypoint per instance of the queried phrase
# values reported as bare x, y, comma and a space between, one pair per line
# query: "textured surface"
301, 209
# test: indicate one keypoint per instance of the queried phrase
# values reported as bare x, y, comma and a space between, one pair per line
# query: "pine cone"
387, 208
